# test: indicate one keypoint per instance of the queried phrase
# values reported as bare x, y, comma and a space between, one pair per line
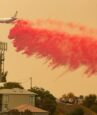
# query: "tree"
90, 100
45, 99
64, 98
10, 85
69, 98
71, 95
3, 76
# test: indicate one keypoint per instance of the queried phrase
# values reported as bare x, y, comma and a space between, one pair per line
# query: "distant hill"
62, 109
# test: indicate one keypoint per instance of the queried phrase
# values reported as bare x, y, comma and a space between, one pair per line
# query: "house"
13, 98
80, 100
10, 98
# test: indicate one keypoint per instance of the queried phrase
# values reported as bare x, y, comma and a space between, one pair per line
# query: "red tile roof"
31, 108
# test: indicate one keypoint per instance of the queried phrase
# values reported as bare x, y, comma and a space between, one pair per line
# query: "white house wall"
16, 100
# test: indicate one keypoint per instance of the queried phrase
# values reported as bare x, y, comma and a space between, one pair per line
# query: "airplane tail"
15, 15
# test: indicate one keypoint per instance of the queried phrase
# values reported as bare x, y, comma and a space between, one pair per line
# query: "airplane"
9, 20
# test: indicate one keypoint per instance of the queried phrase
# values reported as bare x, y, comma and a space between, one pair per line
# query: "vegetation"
27, 112
69, 98
90, 101
13, 112
45, 99
94, 108
10, 85
16, 112
77, 111
66, 109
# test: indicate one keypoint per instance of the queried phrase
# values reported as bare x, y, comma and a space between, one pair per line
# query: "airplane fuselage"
8, 20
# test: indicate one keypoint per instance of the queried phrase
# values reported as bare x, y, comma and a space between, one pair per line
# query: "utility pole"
3, 74
30, 82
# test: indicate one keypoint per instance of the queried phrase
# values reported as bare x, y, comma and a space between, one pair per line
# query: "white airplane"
9, 20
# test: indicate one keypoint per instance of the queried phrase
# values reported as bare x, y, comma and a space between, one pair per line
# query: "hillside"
62, 109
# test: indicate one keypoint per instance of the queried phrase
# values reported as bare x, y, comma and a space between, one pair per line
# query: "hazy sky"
21, 68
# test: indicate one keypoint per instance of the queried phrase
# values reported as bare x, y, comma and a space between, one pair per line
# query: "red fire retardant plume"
59, 46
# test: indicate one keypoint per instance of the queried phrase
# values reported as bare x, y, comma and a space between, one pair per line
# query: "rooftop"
16, 91
31, 108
